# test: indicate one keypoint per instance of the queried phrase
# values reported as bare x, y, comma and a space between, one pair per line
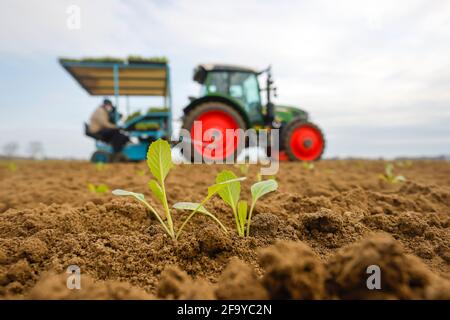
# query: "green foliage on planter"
157, 109
147, 126
133, 116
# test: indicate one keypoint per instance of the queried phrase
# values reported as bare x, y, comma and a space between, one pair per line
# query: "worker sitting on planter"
101, 126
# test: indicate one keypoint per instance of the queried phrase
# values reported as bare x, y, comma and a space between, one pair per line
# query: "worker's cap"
107, 102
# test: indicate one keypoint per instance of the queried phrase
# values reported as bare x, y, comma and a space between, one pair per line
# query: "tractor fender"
289, 127
303, 118
193, 104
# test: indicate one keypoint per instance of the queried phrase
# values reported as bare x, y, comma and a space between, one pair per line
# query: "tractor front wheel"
208, 124
101, 156
303, 141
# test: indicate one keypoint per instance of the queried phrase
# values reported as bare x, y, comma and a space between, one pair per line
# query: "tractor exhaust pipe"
270, 107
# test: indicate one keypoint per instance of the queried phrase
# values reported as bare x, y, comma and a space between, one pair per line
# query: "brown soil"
312, 239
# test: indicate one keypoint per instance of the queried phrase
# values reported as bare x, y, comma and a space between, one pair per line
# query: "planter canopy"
100, 78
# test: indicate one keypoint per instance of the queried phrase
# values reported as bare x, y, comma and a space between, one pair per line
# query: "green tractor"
231, 99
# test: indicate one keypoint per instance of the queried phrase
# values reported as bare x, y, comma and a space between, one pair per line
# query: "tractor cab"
233, 82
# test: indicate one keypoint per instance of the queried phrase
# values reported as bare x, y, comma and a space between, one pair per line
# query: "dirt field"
312, 239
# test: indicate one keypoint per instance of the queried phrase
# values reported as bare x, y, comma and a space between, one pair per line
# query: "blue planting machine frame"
127, 79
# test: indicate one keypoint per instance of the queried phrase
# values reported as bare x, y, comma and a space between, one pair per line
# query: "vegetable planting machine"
127, 78
231, 98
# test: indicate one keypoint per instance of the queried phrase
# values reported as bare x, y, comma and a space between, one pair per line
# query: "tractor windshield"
241, 86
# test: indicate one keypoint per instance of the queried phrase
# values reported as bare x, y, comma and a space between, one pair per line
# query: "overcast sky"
375, 75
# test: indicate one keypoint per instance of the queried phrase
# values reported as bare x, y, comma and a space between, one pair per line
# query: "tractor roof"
202, 69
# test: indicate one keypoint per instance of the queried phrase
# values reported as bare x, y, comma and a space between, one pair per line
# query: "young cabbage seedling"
308, 165
100, 166
405, 164
199, 207
140, 173
258, 190
243, 168
389, 175
259, 177
101, 188
159, 161
230, 194
12, 167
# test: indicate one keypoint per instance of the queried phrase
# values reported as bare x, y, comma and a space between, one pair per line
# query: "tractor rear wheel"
209, 141
303, 141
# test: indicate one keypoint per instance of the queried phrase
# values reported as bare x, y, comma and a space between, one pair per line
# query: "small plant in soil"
100, 166
199, 207
243, 168
308, 165
389, 175
12, 167
159, 161
230, 194
404, 164
100, 188
259, 177
140, 173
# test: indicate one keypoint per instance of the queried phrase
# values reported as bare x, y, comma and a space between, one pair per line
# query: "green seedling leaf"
101, 188
140, 173
120, 192
196, 207
389, 168
156, 189
231, 192
159, 159
212, 190
258, 190
91, 187
243, 168
308, 165
100, 166
389, 175
12, 167
404, 164
259, 177
193, 206
140, 197
242, 213
263, 187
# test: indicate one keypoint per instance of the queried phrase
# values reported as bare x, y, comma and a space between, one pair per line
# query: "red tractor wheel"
303, 141
210, 139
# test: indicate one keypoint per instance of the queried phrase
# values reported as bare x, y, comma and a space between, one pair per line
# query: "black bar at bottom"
162, 309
